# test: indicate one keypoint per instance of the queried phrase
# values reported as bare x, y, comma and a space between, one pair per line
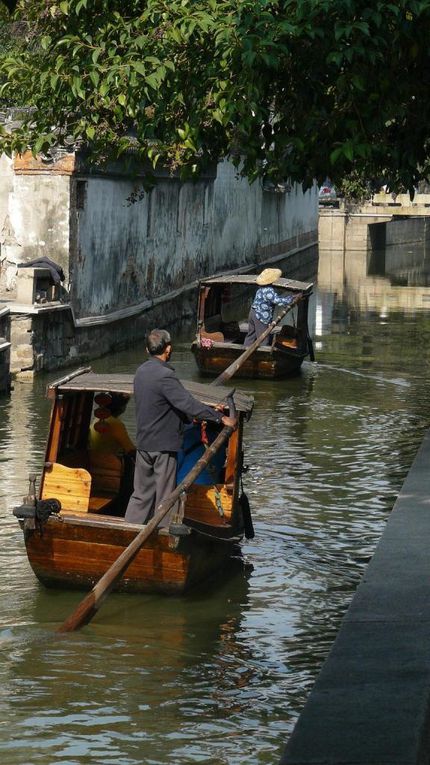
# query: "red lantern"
103, 399
102, 413
101, 427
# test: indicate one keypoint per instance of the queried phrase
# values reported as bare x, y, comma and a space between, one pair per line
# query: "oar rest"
72, 487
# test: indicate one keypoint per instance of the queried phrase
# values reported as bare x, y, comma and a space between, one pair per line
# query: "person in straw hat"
266, 297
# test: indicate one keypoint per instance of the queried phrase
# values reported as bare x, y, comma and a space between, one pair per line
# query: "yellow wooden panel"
201, 505
71, 486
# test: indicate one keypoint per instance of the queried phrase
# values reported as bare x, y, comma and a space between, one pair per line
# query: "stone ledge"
371, 702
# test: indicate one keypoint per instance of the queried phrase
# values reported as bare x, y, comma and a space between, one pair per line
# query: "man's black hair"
157, 341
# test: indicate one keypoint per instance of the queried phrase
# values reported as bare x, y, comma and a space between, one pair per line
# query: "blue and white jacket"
264, 303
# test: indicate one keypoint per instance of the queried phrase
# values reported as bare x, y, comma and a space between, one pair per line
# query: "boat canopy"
288, 284
86, 380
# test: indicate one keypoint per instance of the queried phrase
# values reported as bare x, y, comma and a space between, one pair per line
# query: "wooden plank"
71, 486
201, 505
91, 560
231, 475
97, 504
106, 471
55, 428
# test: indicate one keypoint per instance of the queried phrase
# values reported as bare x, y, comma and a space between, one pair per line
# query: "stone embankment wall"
125, 261
4, 350
370, 702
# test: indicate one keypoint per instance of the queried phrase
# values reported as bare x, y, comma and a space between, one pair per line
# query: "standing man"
163, 405
266, 297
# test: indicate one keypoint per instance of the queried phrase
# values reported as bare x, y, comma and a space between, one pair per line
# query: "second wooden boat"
223, 306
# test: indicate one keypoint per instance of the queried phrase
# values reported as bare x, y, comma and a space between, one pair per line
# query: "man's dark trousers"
255, 329
154, 479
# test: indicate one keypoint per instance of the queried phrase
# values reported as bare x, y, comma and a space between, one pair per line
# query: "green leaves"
298, 89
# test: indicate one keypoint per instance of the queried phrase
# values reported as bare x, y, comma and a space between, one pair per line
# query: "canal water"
220, 676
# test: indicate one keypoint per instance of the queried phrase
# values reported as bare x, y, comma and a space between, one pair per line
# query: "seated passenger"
109, 436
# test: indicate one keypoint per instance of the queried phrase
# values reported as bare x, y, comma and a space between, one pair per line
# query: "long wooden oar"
89, 606
235, 365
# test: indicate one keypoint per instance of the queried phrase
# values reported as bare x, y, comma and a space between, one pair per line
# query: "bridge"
386, 219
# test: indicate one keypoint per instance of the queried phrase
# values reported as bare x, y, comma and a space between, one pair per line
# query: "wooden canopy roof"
288, 284
86, 380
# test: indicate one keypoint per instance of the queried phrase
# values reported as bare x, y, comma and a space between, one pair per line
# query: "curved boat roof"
288, 284
86, 380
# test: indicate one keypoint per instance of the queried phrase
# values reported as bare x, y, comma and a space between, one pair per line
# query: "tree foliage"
287, 88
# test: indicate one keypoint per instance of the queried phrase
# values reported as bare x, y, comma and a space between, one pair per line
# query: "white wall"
34, 218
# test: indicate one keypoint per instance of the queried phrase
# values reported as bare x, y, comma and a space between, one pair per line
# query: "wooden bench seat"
72, 486
97, 504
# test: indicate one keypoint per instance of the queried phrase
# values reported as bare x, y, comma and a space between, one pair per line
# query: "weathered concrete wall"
331, 230
126, 253
287, 217
49, 340
369, 227
34, 218
408, 231
122, 259
129, 252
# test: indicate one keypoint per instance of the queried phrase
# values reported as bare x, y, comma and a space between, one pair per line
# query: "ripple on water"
216, 677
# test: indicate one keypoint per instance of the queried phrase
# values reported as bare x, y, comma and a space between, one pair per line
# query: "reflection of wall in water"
391, 276
23, 421
406, 257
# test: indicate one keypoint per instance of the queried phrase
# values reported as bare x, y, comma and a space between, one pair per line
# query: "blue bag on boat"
193, 449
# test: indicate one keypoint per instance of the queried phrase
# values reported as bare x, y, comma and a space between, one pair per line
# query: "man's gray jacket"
163, 405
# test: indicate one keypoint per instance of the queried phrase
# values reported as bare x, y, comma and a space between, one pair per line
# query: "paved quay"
371, 701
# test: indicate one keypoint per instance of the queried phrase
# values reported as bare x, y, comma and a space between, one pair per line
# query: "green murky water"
219, 677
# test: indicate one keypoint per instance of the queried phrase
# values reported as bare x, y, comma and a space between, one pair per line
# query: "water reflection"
221, 675
170, 662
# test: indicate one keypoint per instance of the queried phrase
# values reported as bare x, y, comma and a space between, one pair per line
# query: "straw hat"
268, 276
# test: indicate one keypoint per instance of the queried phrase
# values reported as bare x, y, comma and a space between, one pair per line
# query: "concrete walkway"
370, 703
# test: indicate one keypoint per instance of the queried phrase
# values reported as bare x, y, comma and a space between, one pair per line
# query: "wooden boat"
223, 305
74, 547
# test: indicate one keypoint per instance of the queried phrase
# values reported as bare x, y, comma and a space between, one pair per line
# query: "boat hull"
265, 363
74, 552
